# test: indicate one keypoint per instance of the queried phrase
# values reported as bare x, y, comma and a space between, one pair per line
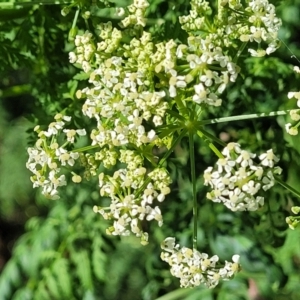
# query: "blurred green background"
59, 250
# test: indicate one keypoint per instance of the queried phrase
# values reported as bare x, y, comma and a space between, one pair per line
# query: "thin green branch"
193, 178
287, 186
163, 160
75, 18
183, 293
210, 144
11, 5
239, 52
244, 117
211, 137
87, 148
168, 153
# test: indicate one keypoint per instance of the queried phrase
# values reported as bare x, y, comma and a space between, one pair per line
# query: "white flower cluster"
294, 113
45, 160
255, 23
236, 180
120, 98
128, 208
129, 84
133, 84
194, 268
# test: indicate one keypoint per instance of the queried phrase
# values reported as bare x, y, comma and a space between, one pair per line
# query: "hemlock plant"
143, 95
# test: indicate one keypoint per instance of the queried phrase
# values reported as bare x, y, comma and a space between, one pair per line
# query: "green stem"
168, 153
75, 18
16, 90
83, 149
210, 144
212, 137
287, 186
193, 177
11, 5
238, 54
162, 161
183, 293
181, 107
244, 117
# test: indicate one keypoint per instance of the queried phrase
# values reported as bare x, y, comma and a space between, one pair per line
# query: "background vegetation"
59, 250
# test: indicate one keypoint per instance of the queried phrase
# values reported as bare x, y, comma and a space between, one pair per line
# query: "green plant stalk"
183, 293
206, 138
287, 186
193, 178
168, 153
162, 161
83, 149
240, 51
244, 117
75, 18
19, 4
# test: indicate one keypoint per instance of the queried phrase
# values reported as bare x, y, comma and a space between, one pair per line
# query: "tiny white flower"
258, 53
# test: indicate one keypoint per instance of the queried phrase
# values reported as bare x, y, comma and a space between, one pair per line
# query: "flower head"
237, 180
194, 268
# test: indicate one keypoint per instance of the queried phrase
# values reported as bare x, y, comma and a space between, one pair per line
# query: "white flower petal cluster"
120, 98
237, 180
46, 158
255, 23
194, 268
128, 208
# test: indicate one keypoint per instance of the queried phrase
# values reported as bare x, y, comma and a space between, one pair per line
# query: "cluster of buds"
292, 129
236, 180
293, 221
194, 268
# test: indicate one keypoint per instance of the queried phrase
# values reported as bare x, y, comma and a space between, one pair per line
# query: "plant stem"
183, 293
240, 51
210, 137
83, 149
193, 177
244, 117
18, 4
287, 186
75, 18
162, 161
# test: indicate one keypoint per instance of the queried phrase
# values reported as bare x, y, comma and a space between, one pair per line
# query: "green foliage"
65, 252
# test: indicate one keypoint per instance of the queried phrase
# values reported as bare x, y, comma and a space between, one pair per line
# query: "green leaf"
33, 223
42, 292
10, 277
52, 284
81, 76
48, 256
23, 294
235, 289
83, 268
289, 251
99, 259
225, 246
88, 295
63, 275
